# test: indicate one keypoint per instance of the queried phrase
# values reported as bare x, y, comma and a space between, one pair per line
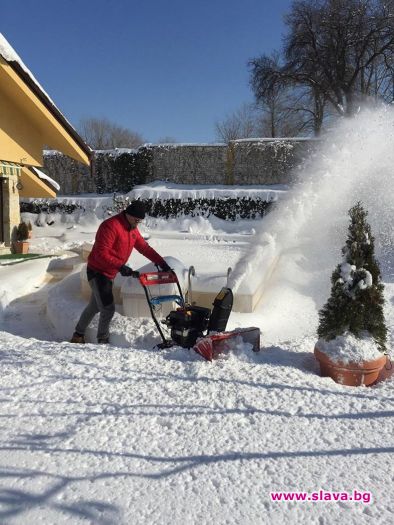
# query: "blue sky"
161, 68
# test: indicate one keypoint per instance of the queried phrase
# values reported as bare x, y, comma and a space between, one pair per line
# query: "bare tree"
332, 45
287, 108
377, 80
241, 124
101, 133
339, 50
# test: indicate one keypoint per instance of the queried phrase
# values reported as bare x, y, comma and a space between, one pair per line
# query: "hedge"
228, 209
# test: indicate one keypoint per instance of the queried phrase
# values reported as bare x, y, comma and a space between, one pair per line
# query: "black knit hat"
136, 209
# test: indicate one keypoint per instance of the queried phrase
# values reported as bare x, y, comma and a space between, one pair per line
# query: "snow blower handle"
151, 278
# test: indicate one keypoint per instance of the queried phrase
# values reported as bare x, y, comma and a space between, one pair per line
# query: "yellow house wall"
27, 125
26, 112
20, 140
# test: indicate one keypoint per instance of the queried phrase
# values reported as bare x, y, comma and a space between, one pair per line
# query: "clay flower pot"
21, 247
353, 373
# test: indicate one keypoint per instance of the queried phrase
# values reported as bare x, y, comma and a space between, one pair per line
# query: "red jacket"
114, 243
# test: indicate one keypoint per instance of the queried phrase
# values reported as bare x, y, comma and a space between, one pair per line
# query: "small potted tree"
21, 245
352, 331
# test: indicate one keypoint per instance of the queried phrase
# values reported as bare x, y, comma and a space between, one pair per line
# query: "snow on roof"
277, 139
45, 177
183, 144
10, 55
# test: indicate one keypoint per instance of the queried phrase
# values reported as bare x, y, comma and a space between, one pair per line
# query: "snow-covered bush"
229, 209
356, 302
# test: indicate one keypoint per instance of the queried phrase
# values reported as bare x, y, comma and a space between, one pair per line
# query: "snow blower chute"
194, 326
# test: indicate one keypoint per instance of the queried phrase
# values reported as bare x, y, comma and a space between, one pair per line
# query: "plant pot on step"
352, 373
21, 247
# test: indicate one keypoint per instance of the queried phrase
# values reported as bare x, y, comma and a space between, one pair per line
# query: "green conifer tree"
356, 301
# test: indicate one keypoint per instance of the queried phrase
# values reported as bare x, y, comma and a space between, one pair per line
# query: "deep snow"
126, 434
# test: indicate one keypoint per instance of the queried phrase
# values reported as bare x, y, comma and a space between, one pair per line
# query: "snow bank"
20, 279
164, 190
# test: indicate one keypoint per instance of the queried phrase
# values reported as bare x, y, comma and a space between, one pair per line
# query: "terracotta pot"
351, 374
387, 371
21, 247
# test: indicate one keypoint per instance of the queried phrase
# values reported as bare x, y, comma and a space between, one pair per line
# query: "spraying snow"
309, 227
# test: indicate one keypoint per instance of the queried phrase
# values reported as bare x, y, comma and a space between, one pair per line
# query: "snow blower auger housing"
195, 326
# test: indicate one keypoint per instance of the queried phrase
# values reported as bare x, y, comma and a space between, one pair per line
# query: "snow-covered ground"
123, 433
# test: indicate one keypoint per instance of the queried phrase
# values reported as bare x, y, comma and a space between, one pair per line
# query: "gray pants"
101, 300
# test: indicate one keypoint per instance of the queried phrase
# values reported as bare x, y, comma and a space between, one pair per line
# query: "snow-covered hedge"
227, 208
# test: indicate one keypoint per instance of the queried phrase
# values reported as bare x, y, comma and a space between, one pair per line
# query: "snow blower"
194, 326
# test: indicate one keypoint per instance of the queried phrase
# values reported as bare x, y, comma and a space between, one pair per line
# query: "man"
114, 242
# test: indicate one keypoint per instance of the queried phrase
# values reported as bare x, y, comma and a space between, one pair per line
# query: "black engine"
189, 323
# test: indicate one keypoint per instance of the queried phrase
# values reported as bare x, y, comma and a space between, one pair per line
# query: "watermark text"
323, 495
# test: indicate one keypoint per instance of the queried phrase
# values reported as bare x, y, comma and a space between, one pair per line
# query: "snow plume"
355, 163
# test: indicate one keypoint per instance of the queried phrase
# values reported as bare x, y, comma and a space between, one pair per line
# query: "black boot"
77, 338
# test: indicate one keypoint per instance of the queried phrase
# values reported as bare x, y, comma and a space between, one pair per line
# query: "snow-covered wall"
247, 161
267, 161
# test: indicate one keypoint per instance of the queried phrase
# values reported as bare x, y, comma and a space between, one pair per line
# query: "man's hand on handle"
126, 271
164, 267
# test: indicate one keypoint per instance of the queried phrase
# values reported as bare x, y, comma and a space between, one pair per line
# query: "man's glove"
126, 271
164, 267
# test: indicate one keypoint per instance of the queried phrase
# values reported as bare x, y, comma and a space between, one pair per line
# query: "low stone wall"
247, 161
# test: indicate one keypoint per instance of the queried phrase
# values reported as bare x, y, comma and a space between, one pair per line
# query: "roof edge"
50, 106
